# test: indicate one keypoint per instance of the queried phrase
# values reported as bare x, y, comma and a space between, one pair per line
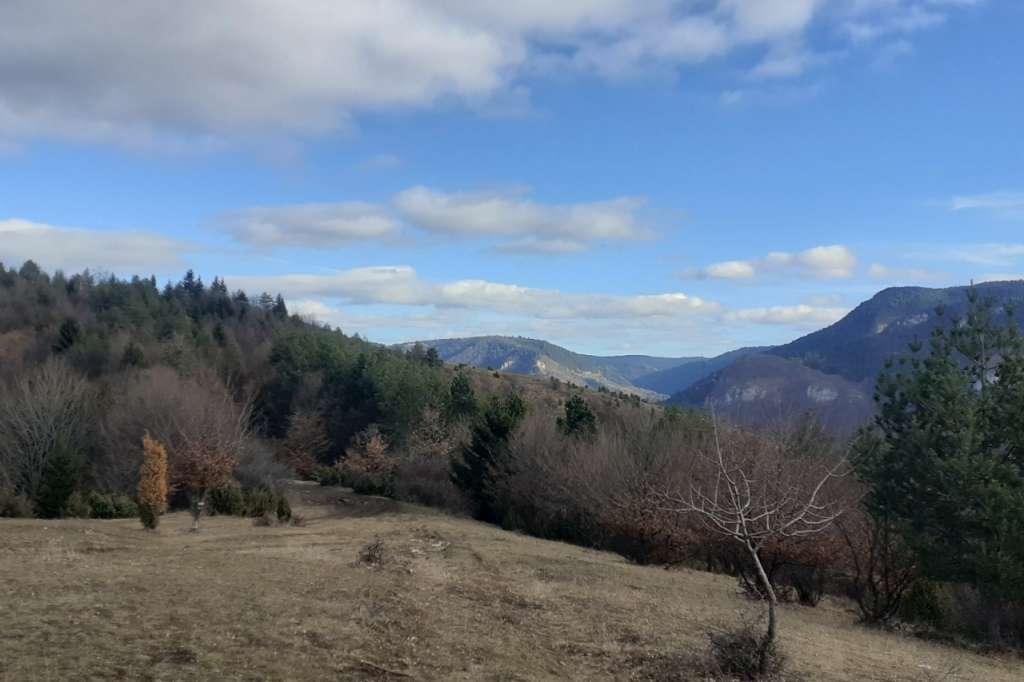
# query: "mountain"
832, 371
760, 387
682, 376
520, 355
857, 346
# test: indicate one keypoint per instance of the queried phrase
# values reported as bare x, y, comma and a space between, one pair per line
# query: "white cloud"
197, 72
401, 285
821, 262
311, 225
989, 255
1003, 204
541, 227
803, 315
788, 62
886, 273
75, 249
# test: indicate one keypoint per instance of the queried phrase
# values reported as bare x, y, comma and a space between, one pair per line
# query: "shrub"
260, 501
742, 652
227, 499
284, 509
110, 506
14, 506
153, 487
428, 481
77, 506
368, 468
326, 475
148, 516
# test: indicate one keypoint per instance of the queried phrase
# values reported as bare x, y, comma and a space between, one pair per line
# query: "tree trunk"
198, 502
769, 635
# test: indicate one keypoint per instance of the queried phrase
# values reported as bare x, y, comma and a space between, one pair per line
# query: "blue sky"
671, 177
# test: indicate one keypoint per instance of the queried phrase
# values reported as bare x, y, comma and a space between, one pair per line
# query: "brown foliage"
305, 444
153, 485
368, 466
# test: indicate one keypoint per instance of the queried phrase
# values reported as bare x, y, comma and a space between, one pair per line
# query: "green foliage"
473, 473
579, 421
944, 460
133, 355
260, 501
226, 499
327, 476
461, 401
284, 509
110, 506
69, 333
59, 480
149, 515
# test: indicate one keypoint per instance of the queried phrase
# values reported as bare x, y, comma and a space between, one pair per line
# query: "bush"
14, 506
740, 652
149, 516
284, 509
260, 501
368, 467
227, 499
110, 506
326, 475
77, 507
428, 481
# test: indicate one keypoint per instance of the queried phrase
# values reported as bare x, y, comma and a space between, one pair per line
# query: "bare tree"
754, 491
210, 432
41, 412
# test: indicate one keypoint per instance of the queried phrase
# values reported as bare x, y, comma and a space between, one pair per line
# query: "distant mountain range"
830, 371
530, 356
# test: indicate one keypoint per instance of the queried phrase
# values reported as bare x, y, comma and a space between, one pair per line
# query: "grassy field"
444, 599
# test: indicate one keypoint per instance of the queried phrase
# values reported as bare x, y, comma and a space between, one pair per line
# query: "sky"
667, 177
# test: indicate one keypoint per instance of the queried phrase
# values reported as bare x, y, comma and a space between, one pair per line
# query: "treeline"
89, 364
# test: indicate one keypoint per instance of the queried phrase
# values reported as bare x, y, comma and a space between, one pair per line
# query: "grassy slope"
452, 599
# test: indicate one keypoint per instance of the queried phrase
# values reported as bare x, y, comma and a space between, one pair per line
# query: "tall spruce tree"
473, 472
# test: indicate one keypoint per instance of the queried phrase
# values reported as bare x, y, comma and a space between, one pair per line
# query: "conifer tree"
488, 447
943, 460
579, 421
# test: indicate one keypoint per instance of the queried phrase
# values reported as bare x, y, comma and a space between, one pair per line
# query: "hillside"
758, 388
448, 599
680, 377
534, 357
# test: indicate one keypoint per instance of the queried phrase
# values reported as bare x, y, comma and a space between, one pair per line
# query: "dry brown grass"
443, 598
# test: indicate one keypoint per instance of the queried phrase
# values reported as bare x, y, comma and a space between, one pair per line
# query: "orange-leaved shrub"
153, 486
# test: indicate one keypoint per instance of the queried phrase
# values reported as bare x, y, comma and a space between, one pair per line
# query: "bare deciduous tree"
41, 412
751, 489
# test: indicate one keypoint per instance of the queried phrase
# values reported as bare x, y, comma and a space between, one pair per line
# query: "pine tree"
153, 488
488, 447
70, 332
579, 421
943, 462
58, 482
461, 400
